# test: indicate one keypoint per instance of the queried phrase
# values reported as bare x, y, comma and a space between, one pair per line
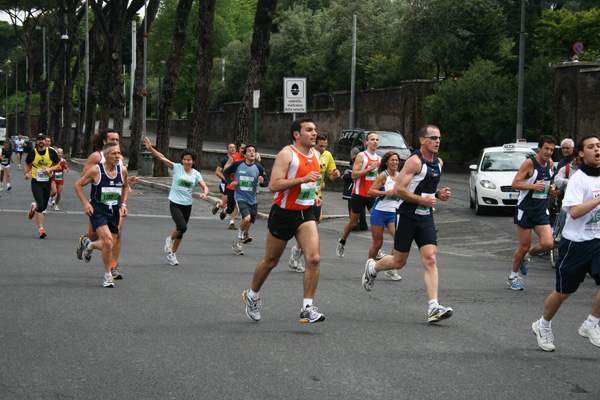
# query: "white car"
492, 176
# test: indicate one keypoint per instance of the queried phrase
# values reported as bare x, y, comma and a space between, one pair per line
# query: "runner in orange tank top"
294, 180
364, 174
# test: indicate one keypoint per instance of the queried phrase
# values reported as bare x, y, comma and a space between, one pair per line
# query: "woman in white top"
383, 213
185, 177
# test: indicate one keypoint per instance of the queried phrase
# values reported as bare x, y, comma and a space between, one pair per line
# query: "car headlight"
487, 184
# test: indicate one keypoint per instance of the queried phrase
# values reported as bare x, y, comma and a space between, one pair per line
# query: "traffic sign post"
294, 95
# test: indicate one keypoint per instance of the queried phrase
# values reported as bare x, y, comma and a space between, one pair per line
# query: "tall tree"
206, 17
25, 19
170, 84
257, 70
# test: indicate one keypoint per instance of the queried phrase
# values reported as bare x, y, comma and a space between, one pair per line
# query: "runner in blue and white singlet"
416, 187
533, 180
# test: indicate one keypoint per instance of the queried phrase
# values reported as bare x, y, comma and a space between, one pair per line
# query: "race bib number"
110, 195
371, 175
185, 184
245, 184
58, 176
41, 176
307, 194
542, 194
421, 209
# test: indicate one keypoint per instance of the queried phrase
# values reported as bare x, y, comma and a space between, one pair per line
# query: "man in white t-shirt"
579, 248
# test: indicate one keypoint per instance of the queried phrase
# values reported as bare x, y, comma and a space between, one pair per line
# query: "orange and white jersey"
302, 196
364, 183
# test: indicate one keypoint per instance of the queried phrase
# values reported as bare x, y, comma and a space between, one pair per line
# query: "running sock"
372, 270
343, 242
113, 264
513, 275
232, 221
108, 274
89, 245
545, 324
253, 295
306, 302
527, 256
433, 303
591, 321
240, 234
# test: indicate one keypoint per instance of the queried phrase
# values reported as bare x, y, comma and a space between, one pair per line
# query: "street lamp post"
16, 96
76, 149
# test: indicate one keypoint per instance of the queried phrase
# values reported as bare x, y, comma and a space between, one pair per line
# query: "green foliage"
474, 111
557, 31
538, 107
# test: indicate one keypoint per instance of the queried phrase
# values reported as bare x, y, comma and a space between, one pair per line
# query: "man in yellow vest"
40, 163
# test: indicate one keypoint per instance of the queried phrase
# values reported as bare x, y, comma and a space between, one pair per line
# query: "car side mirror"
473, 167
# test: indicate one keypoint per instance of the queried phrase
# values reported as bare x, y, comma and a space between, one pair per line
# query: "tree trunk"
56, 97
257, 70
96, 64
170, 83
204, 64
105, 93
116, 18
138, 98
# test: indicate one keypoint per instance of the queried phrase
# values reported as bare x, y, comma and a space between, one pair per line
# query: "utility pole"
520, 90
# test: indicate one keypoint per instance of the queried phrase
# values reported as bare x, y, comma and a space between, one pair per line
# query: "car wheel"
479, 209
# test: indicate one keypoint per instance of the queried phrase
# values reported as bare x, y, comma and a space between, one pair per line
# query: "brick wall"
576, 99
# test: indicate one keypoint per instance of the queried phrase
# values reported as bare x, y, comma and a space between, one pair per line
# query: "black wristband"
437, 194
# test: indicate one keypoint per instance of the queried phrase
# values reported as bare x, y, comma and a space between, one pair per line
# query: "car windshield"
504, 161
391, 140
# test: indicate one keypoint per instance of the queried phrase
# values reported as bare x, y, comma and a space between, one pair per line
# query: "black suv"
388, 141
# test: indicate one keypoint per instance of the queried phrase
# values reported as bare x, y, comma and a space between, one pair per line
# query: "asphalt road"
181, 332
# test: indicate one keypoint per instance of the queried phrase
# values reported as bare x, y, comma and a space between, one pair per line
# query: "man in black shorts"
108, 202
40, 163
416, 187
294, 179
579, 248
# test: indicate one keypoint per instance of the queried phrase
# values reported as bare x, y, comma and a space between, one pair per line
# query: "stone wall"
379, 109
576, 99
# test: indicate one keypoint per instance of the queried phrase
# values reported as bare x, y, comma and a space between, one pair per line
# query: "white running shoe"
393, 274
296, 260
544, 336
439, 313
592, 333
108, 281
339, 250
380, 255
172, 259
237, 248
169, 245
311, 314
56, 208
367, 279
252, 306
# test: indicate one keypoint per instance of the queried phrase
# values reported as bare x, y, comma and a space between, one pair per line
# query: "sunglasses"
434, 137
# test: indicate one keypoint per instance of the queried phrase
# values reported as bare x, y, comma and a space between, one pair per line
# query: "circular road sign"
578, 47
